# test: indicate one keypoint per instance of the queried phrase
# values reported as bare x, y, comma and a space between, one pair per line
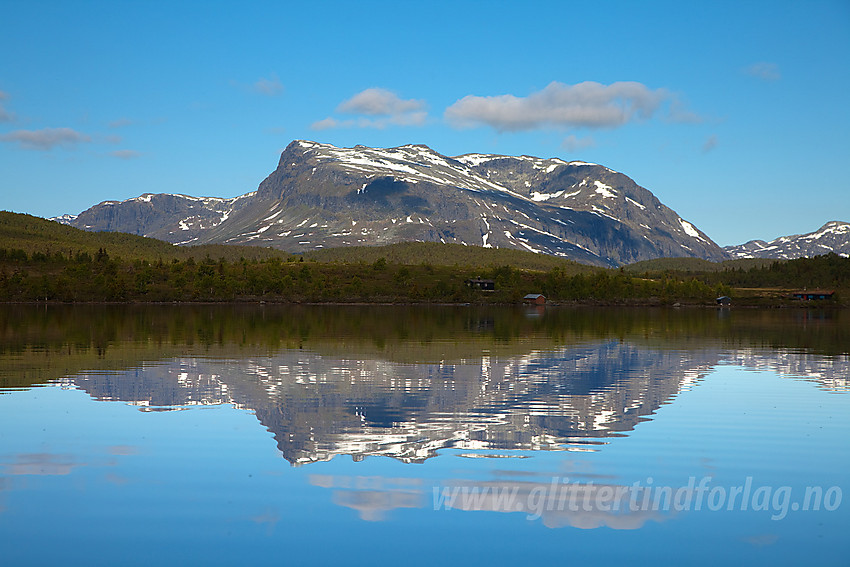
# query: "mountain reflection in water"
319, 406
408, 382
221, 435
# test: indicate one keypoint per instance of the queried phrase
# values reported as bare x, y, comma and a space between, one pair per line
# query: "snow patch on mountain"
689, 229
604, 190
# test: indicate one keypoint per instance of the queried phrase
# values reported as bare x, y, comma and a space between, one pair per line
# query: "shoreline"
799, 304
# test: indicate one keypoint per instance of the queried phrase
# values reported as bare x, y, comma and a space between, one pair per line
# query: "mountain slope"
37, 235
833, 237
321, 196
179, 219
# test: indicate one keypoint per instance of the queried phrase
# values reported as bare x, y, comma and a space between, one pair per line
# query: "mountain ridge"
832, 237
322, 196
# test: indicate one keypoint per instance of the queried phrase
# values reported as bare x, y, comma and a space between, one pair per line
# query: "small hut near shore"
534, 299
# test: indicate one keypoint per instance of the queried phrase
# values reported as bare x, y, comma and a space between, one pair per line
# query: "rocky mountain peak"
321, 195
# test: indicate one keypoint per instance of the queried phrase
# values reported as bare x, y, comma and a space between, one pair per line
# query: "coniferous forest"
43, 261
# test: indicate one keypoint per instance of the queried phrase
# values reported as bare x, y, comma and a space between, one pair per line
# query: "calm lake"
222, 435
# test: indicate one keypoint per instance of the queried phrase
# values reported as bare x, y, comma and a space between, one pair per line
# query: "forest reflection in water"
265, 426
406, 382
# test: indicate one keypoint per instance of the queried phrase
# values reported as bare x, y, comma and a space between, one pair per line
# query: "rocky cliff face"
324, 196
179, 219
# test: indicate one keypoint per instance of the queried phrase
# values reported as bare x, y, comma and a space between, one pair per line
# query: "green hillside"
41, 260
37, 235
695, 265
438, 254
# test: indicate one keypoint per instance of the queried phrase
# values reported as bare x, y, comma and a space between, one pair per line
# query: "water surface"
379, 435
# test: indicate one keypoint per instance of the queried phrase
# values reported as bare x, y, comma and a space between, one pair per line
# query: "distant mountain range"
833, 237
322, 196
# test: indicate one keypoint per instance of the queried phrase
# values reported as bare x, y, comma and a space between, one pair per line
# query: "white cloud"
125, 154
764, 71
410, 119
38, 464
572, 143
4, 115
120, 123
326, 124
46, 138
379, 102
584, 105
269, 87
376, 108
405, 119
679, 112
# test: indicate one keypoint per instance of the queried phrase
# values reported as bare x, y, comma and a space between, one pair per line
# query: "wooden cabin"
813, 294
483, 285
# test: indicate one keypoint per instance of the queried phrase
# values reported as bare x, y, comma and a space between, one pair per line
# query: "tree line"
99, 277
829, 271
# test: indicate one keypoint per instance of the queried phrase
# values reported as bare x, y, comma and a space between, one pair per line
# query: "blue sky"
734, 114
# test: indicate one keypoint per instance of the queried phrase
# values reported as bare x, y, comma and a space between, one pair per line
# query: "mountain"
321, 196
833, 237
178, 219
